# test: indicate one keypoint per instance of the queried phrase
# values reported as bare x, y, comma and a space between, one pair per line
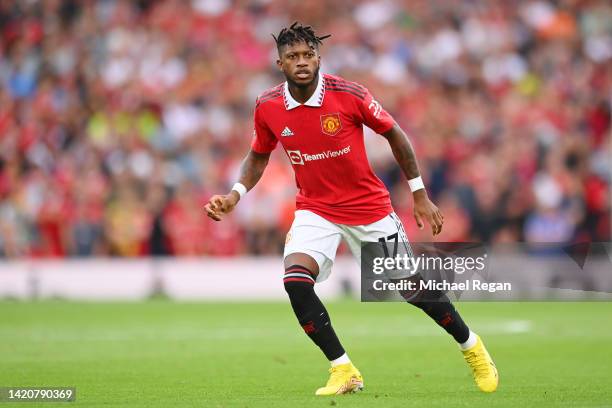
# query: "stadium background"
119, 119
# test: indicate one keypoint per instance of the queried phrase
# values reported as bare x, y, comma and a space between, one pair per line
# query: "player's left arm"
405, 156
372, 114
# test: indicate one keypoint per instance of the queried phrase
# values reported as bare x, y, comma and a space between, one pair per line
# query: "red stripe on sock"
298, 280
298, 270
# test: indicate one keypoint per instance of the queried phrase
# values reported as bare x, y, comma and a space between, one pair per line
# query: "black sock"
447, 317
310, 312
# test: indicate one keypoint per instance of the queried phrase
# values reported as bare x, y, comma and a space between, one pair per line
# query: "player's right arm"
251, 170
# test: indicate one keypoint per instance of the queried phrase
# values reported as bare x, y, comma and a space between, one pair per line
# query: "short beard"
304, 86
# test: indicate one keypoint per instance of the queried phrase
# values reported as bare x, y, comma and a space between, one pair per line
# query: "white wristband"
416, 184
240, 189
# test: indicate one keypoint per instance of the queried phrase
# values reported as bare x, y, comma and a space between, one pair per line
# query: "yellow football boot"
343, 379
483, 367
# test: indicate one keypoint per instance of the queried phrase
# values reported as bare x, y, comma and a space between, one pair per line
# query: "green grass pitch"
165, 354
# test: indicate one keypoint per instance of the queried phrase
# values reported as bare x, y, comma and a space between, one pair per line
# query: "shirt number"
375, 108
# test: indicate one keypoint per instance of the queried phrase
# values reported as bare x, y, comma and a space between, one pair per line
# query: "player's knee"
299, 281
410, 295
302, 260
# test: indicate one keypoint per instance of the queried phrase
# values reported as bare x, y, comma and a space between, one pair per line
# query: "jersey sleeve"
263, 139
373, 115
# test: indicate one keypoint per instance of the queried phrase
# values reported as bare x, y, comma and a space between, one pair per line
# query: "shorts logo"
330, 124
295, 156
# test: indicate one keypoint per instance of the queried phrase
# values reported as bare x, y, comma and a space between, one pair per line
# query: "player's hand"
424, 209
219, 205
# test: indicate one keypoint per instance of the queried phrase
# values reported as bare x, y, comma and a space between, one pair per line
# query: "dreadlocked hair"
297, 33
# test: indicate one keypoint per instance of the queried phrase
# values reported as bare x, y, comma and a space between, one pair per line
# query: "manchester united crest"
330, 124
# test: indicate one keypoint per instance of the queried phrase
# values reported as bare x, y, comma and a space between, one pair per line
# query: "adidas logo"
287, 132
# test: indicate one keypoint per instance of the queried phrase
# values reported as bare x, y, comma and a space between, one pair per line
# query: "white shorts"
313, 235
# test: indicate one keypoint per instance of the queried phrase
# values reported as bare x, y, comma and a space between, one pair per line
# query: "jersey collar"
316, 100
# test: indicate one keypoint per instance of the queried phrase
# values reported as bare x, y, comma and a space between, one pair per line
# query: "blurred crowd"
119, 119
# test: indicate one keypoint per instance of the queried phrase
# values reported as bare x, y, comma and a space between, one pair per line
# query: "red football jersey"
323, 139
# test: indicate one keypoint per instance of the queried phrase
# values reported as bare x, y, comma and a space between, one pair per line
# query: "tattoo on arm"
403, 151
252, 168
